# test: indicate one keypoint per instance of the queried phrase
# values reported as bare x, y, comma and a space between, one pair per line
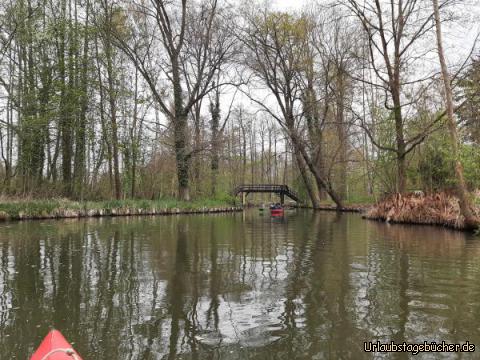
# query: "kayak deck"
55, 347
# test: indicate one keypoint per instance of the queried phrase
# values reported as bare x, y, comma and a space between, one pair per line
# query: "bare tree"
109, 20
336, 43
178, 49
471, 222
274, 54
393, 30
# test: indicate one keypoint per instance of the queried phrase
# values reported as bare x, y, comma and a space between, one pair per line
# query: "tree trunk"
103, 123
113, 118
342, 134
262, 157
66, 106
79, 163
180, 133
400, 139
196, 160
243, 145
214, 166
321, 183
215, 123
180, 124
471, 222
302, 167
116, 169
134, 139
319, 163
252, 154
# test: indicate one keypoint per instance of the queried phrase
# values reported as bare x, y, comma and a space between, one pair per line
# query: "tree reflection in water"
312, 286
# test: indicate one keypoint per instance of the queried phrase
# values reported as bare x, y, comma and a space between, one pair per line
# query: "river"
311, 285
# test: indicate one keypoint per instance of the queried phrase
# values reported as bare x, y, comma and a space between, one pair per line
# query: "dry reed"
435, 209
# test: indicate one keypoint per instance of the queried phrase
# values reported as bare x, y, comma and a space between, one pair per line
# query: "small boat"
276, 210
55, 347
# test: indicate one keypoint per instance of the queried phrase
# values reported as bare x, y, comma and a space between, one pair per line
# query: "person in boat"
276, 206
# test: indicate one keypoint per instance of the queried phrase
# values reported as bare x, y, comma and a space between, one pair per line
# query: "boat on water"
55, 347
276, 210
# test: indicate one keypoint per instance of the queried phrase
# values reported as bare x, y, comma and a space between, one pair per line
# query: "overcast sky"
289, 4
459, 35
458, 38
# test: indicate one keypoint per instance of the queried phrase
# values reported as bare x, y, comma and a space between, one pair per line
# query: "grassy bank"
432, 209
11, 209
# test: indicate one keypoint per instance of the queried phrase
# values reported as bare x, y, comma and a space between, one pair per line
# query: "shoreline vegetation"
437, 209
441, 209
63, 208
84, 115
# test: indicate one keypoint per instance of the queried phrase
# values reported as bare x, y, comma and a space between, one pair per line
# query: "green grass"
15, 209
360, 200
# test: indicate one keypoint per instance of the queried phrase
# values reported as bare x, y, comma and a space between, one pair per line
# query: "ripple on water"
312, 286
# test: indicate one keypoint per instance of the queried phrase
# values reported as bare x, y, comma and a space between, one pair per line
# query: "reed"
435, 209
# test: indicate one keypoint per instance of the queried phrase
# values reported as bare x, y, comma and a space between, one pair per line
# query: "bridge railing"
264, 187
273, 188
293, 192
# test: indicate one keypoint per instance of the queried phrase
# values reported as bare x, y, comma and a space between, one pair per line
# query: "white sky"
459, 37
289, 4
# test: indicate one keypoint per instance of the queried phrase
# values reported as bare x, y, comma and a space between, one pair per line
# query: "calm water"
242, 286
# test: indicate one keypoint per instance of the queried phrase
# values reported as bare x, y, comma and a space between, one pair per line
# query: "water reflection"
244, 286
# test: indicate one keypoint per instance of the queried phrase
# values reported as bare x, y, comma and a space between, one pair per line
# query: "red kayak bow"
55, 347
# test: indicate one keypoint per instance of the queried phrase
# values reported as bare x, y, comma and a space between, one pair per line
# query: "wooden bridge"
281, 190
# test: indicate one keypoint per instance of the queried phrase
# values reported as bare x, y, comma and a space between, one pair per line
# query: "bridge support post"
244, 198
282, 198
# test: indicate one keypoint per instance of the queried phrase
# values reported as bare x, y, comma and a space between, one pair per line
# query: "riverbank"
439, 209
63, 208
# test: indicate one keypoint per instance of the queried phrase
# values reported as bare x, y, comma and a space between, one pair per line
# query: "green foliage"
286, 37
224, 197
470, 156
358, 199
384, 168
384, 163
470, 112
287, 26
31, 208
435, 165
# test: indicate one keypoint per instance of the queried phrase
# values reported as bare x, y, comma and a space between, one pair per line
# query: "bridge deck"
267, 188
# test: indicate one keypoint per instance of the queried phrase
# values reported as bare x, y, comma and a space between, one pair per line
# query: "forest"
346, 101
